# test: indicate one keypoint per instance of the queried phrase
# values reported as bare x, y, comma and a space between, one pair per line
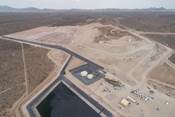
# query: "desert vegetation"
13, 81
143, 21
38, 65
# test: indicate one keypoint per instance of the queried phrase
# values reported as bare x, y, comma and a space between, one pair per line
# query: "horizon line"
107, 8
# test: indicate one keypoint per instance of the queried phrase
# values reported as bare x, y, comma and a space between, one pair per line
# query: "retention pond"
62, 102
64, 99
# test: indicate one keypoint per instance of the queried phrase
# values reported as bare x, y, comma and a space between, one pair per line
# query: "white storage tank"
90, 76
84, 73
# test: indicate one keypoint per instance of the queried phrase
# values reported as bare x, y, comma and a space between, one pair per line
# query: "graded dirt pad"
62, 36
38, 65
108, 33
33, 33
163, 73
167, 40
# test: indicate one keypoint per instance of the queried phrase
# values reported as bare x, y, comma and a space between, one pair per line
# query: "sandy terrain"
162, 87
58, 57
163, 73
38, 65
75, 62
30, 34
58, 36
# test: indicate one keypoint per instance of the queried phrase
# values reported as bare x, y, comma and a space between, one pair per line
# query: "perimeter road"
55, 47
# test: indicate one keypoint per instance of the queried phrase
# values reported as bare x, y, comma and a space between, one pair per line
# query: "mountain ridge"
4, 8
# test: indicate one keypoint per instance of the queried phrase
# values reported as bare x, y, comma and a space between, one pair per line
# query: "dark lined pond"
62, 102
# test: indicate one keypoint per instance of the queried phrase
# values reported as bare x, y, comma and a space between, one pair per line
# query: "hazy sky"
89, 4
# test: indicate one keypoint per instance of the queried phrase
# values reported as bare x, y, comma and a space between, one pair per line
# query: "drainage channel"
64, 99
